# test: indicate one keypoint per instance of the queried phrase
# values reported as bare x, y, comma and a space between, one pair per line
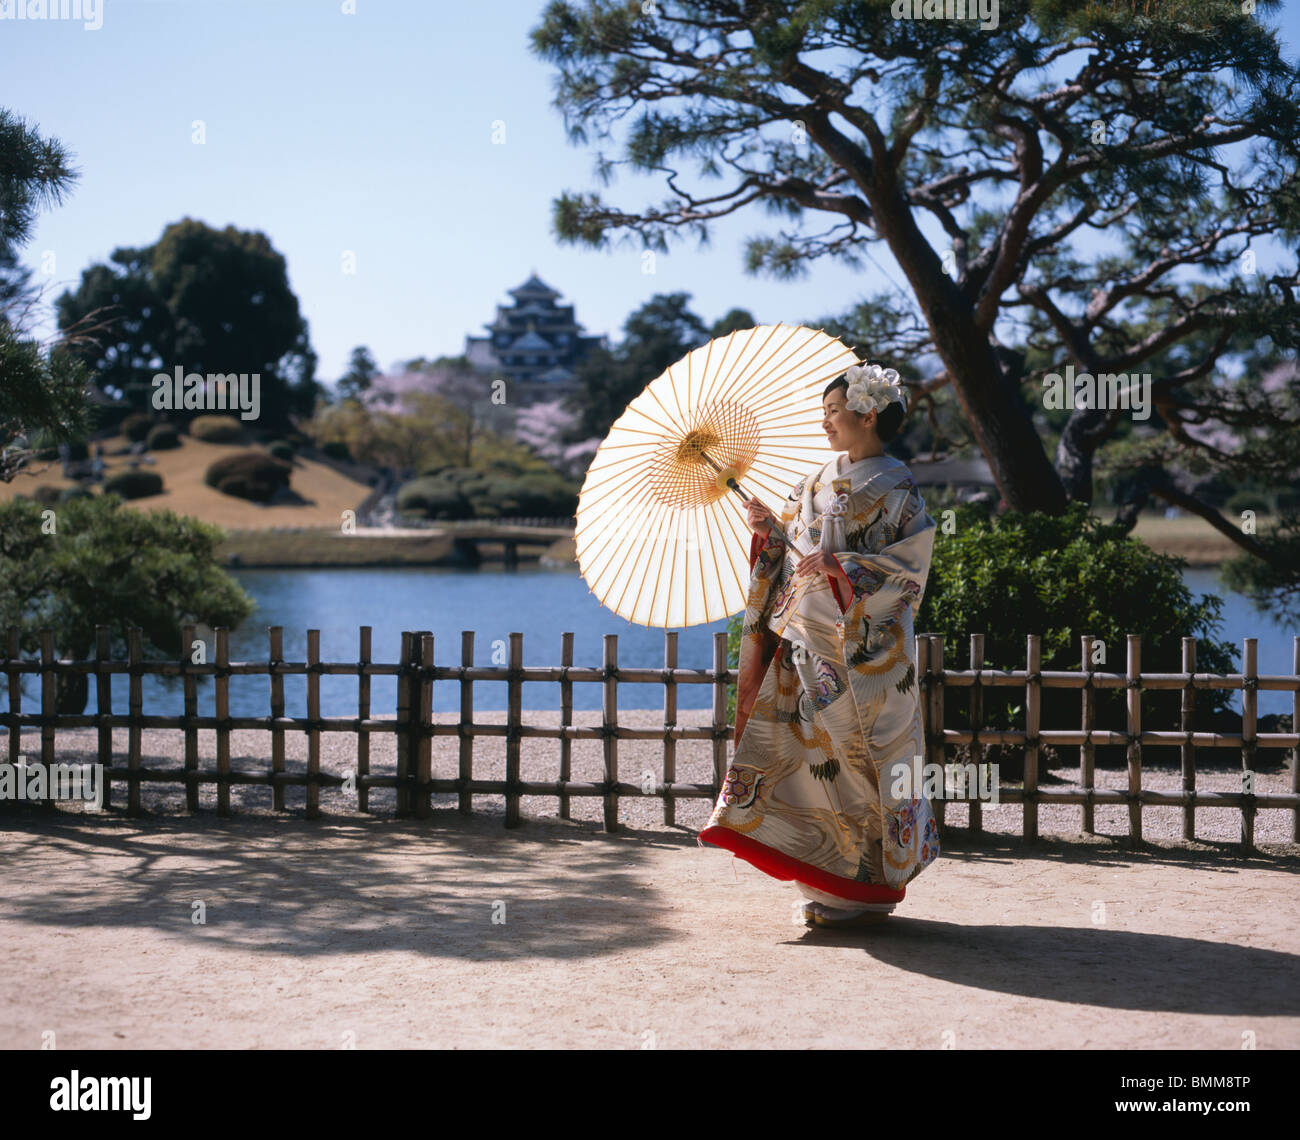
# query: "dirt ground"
454, 932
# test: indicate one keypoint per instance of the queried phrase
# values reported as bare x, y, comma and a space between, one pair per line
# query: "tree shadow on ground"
328, 886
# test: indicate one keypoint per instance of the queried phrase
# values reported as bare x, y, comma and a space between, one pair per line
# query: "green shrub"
109, 564
70, 493
336, 449
1248, 501
136, 427
1063, 577
279, 449
543, 496
217, 429
47, 495
251, 475
434, 499
1288, 501
439, 470
163, 437
134, 484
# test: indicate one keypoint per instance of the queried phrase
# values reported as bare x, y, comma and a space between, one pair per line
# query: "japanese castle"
535, 343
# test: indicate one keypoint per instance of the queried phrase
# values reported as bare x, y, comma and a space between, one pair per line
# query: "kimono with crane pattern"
827, 710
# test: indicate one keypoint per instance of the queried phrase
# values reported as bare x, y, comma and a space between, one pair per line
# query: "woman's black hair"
888, 420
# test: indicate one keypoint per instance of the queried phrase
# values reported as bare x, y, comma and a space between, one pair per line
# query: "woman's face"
844, 427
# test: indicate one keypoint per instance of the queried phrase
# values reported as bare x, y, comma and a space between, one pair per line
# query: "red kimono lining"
786, 867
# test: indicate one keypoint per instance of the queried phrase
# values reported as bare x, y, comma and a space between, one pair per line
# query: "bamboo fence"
415, 731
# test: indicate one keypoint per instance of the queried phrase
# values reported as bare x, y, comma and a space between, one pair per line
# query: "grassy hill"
325, 494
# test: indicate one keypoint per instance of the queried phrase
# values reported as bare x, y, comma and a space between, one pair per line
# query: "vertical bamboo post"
720, 726
313, 723
466, 760
1249, 710
925, 699
609, 721
1033, 692
1134, 684
423, 741
405, 716
189, 684
1087, 750
135, 701
104, 708
15, 694
49, 710
566, 719
223, 721
363, 714
276, 660
514, 721
1187, 749
670, 721
1295, 727
936, 698
976, 809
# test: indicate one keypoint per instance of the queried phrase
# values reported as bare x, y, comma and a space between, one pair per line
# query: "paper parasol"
660, 539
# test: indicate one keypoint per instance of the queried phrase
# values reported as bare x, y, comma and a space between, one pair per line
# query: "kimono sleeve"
887, 573
767, 553
767, 556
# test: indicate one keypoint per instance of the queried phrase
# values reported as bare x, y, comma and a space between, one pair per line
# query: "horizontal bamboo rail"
415, 732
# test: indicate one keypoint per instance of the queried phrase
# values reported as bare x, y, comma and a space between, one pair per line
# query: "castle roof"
533, 287
531, 341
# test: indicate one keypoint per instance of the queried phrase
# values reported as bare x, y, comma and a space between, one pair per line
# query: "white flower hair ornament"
871, 386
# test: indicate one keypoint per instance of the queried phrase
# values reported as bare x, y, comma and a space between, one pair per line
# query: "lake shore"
1185, 537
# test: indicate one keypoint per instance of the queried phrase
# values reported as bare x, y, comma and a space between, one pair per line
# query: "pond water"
540, 602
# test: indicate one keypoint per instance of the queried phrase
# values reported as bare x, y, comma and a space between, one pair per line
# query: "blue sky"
370, 133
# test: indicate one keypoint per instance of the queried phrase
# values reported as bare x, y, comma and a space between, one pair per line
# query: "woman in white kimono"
825, 785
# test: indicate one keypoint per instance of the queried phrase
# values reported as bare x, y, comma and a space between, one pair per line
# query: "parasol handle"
730, 482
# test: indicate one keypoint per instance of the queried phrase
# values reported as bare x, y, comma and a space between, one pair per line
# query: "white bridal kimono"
827, 710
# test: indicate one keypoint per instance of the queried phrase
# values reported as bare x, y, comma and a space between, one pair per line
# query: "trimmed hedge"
216, 429
137, 426
251, 475
278, 449
336, 449
435, 499
134, 484
460, 492
163, 437
545, 496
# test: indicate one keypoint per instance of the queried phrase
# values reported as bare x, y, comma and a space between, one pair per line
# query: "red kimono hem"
782, 866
